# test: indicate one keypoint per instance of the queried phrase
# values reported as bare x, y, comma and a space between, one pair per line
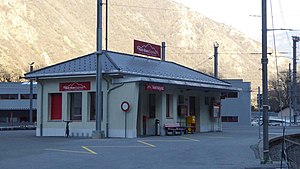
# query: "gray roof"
16, 87
141, 68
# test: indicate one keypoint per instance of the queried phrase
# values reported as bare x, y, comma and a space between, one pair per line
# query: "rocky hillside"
48, 32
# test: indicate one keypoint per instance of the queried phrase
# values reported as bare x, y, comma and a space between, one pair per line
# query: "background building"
236, 107
15, 103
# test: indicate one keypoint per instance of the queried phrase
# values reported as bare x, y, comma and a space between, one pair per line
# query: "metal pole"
163, 51
290, 94
98, 133
264, 62
125, 124
295, 40
30, 95
106, 25
259, 112
216, 46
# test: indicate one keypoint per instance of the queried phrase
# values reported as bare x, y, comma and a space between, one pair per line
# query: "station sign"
74, 86
157, 87
148, 49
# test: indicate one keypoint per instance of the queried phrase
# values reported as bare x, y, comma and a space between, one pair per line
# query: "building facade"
15, 103
236, 105
153, 90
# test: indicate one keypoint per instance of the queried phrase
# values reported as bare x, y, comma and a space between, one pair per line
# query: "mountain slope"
48, 32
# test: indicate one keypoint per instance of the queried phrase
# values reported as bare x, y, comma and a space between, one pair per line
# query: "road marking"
148, 144
221, 137
121, 146
166, 140
189, 138
68, 151
89, 150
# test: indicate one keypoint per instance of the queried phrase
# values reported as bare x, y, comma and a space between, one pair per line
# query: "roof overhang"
204, 86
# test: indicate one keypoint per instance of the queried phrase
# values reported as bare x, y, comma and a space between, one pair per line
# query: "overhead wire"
276, 58
144, 7
283, 21
209, 58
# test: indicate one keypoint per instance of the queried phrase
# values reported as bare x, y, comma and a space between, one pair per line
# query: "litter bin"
191, 124
157, 127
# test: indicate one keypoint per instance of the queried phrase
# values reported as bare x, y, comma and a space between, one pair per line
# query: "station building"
154, 89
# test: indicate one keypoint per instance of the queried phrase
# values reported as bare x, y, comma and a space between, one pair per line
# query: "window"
232, 95
192, 105
75, 106
55, 106
27, 96
181, 99
92, 106
169, 105
152, 106
206, 101
230, 119
8, 96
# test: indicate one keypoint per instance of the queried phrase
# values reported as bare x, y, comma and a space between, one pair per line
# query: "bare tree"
280, 90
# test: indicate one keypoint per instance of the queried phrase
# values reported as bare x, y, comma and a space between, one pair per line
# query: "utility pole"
290, 93
216, 46
30, 94
106, 25
264, 61
294, 86
98, 134
259, 112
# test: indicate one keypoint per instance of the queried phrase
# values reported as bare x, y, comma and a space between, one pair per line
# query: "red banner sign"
154, 87
148, 49
74, 86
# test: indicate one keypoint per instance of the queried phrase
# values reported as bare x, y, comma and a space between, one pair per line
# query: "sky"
245, 15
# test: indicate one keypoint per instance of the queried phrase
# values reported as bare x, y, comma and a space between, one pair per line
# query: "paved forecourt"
227, 149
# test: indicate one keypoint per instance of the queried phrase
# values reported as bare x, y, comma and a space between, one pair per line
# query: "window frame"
92, 108
152, 105
78, 106
169, 106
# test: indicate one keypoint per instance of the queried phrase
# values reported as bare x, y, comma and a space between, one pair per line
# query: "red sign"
148, 49
74, 86
154, 87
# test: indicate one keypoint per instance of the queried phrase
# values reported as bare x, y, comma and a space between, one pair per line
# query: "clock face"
125, 106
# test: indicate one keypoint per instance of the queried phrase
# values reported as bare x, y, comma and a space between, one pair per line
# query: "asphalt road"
229, 149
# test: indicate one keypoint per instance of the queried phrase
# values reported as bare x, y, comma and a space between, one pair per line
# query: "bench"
174, 128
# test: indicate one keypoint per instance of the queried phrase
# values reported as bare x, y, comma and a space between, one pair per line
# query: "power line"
199, 64
144, 7
276, 58
283, 21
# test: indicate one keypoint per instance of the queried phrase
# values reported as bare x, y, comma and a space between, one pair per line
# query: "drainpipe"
107, 98
42, 105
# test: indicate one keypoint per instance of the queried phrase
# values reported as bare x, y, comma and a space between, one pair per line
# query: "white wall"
128, 92
118, 93
57, 128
